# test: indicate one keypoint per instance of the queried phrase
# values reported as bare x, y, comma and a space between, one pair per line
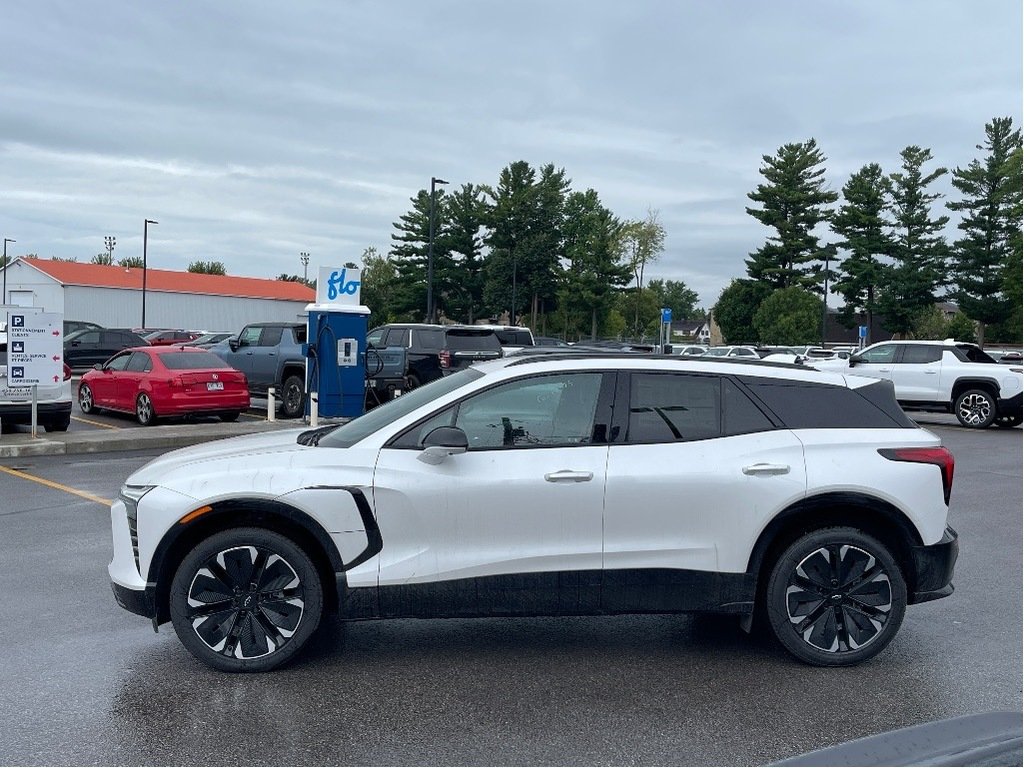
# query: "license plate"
372, 383
214, 385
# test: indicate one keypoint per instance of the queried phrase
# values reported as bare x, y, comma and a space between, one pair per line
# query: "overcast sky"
255, 130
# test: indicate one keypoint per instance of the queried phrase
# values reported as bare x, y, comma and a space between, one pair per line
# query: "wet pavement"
83, 682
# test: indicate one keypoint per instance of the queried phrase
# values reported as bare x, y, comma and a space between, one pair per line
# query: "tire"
1009, 422
214, 583
229, 415
817, 593
58, 425
86, 403
411, 382
975, 409
293, 398
144, 410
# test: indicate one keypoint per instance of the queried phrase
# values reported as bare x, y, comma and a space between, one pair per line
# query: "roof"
169, 281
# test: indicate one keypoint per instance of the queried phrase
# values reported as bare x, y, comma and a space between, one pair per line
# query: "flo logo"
338, 285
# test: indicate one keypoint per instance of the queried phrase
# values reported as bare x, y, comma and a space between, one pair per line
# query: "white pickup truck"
946, 376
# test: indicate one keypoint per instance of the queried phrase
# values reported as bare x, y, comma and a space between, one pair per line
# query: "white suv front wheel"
835, 597
245, 600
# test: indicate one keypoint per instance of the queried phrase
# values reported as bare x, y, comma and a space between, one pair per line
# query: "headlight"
130, 495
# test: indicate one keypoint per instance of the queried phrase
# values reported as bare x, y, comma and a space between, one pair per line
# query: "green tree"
285, 277
961, 328
409, 249
675, 295
70, 259
861, 224
788, 316
464, 218
379, 278
735, 309
1011, 329
919, 250
990, 191
207, 267
793, 201
644, 243
102, 258
593, 250
130, 262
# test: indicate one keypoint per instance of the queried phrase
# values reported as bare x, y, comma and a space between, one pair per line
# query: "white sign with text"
35, 348
340, 286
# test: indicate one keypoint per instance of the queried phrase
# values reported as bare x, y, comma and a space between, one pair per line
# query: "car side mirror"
234, 344
854, 359
442, 442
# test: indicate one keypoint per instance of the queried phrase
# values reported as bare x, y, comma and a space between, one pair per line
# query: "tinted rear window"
969, 353
514, 338
190, 361
428, 338
921, 353
806, 405
472, 340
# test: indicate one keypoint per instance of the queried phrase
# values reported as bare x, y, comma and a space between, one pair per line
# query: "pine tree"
991, 193
919, 250
861, 224
410, 249
464, 218
793, 201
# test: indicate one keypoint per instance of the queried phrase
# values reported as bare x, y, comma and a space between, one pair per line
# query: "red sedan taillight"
67, 372
445, 357
940, 457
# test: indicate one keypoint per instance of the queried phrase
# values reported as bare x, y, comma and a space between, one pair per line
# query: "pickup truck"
946, 376
270, 355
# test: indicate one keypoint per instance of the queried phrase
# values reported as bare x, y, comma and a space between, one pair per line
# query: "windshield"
349, 434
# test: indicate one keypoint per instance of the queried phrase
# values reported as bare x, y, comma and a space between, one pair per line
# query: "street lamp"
109, 242
145, 242
430, 252
3, 298
304, 258
824, 300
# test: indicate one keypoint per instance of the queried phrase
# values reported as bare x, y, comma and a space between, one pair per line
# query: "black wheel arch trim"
964, 383
833, 509
256, 512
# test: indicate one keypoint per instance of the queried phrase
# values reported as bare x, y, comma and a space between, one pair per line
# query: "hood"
247, 446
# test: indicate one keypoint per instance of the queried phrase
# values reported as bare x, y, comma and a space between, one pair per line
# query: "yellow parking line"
58, 486
94, 423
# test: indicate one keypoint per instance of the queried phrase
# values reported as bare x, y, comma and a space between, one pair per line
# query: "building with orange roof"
112, 296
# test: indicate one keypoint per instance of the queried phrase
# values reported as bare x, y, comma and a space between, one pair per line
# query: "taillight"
940, 457
177, 381
67, 372
445, 357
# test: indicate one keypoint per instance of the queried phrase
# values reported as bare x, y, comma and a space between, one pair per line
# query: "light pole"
109, 242
824, 301
3, 298
304, 258
145, 243
430, 251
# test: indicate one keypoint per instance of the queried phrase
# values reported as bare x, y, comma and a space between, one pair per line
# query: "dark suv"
432, 351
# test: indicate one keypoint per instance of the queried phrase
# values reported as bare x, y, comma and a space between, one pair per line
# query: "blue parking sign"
862, 332
666, 314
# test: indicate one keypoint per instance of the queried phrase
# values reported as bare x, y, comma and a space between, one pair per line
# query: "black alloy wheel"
292, 398
85, 400
975, 409
836, 597
245, 600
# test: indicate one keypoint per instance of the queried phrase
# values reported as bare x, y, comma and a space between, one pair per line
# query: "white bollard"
271, 408
314, 405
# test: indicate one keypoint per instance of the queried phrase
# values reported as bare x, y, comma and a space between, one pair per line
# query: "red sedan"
165, 381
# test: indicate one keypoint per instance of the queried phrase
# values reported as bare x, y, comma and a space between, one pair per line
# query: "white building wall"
46, 292
122, 308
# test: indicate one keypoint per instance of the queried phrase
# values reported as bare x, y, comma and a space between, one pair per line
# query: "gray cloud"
253, 130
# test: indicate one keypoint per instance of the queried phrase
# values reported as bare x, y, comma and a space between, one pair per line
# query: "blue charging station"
336, 345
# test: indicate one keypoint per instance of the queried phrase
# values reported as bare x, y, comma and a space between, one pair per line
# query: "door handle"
884, 370
569, 476
766, 469
931, 373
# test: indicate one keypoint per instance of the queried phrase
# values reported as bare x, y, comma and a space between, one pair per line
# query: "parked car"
734, 351
70, 326
549, 341
152, 382
84, 349
689, 349
511, 337
554, 484
209, 339
270, 355
947, 376
164, 338
53, 401
433, 351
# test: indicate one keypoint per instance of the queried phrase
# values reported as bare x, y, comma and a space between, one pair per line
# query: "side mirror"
98, 367
442, 442
234, 344
854, 359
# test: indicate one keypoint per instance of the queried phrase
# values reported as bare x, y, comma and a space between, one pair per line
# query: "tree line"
888, 253
528, 249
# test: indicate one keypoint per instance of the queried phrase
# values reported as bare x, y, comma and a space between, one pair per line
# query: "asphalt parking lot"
84, 682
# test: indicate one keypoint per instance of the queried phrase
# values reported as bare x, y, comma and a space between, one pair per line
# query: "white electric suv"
560, 484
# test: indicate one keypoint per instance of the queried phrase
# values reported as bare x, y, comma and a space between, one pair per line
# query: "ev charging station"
336, 345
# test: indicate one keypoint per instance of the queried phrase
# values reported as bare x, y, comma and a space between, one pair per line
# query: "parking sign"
36, 348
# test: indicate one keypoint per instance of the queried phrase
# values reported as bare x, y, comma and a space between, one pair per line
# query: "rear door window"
271, 336
667, 408
921, 353
430, 339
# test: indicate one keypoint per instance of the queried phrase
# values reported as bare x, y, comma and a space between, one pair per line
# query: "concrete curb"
142, 439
